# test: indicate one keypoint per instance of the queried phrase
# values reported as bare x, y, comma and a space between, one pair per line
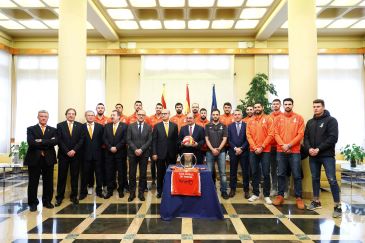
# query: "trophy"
188, 160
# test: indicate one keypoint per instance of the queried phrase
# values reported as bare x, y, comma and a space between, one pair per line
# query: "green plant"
21, 149
259, 89
353, 153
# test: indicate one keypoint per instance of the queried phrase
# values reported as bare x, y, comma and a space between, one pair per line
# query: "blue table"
206, 206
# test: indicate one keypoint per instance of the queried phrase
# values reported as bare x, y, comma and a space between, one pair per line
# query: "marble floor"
116, 220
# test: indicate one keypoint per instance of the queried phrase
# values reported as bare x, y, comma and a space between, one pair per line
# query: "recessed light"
322, 23
174, 24
246, 24
172, 3
11, 25
318, 9
252, 13
29, 3
222, 24
150, 24
285, 25
198, 24
89, 26
322, 2
143, 3
120, 13
33, 24
114, 3
230, 3
201, 3
344, 3
127, 25
359, 25
259, 3
52, 3
342, 23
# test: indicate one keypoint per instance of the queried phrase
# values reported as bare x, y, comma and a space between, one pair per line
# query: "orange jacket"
246, 119
154, 120
273, 115
260, 132
133, 118
202, 123
226, 119
124, 118
196, 116
289, 129
179, 120
103, 120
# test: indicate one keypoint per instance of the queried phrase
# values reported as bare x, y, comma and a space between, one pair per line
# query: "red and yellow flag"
163, 101
187, 101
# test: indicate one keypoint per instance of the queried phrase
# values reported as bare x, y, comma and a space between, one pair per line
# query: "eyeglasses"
164, 113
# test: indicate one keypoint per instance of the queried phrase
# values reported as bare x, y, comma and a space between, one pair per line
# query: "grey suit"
137, 140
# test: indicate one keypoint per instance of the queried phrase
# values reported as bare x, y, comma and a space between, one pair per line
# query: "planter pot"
353, 163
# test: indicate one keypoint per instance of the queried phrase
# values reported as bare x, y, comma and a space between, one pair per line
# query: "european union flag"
214, 101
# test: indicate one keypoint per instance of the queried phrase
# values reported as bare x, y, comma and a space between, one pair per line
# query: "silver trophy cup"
188, 160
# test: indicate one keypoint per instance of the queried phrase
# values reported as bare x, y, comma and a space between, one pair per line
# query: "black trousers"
113, 166
134, 161
91, 177
162, 165
63, 165
47, 176
87, 170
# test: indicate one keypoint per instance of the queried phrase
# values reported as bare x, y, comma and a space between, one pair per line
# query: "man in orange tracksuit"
100, 118
259, 133
179, 119
202, 121
289, 131
123, 118
195, 110
249, 112
227, 118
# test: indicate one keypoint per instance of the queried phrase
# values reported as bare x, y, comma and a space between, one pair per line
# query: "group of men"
265, 146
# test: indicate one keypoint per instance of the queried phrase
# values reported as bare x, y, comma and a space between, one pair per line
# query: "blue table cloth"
206, 206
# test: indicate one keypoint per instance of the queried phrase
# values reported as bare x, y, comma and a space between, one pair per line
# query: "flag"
214, 101
187, 101
163, 101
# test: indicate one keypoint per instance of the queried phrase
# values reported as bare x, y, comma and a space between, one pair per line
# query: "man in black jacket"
70, 141
40, 158
320, 138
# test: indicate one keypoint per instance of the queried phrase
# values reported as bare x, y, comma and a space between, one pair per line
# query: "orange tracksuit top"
179, 120
289, 129
260, 132
133, 118
202, 123
154, 119
103, 120
226, 120
273, 115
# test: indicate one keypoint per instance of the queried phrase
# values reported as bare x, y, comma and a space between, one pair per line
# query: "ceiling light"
172, 3
174, 24
11, 25
359, 25
198, 24
114, 3
230, 3
143, 3
322, 2
89, 26
362, 4
285, 25
222, 24
342, 23
246, 24
201, 3
2, 16
150, 24
53, 24
259, 3
29, 3
33, 24
57, 10
252, 13
7, 4
120, 13
344, 3
127, 25
322, 23
318, 9
52, 3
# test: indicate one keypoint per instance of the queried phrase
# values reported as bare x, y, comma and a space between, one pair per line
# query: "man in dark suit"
70, 141
197, 133
238, 153
40, 158
115, 141
92, 155
164, 147
139, 139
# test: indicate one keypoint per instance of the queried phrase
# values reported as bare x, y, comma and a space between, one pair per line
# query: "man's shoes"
224, 195
108, 195
337, 212
74, 200
48, 205
158, 195
121, 194
82, 197
253, 198
98, 194
58, 202
247, 195
314, 205
141, 197
279, 200
153, 183
232, 193
32, 208
131, 197
300, 203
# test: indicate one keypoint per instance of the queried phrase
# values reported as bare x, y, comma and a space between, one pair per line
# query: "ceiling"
159, 18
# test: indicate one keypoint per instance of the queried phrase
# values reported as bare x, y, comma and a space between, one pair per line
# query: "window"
5, 101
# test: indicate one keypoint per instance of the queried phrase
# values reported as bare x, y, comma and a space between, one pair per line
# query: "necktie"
140, 128
114, 129
70, 128
166, 128
43, 129
190, 130
90, 131
238, 128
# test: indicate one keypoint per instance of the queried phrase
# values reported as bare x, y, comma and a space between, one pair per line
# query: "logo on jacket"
295, 120
321, 125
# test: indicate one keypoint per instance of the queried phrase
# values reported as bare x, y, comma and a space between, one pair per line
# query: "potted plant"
19, 151
353, 153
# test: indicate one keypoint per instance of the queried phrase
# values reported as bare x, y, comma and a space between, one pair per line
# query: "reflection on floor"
116, 220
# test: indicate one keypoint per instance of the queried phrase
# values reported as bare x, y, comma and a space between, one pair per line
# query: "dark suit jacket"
49, 140
164, 146
198, 136
66, 142
92, 147
118, 141
139, 141
238, 141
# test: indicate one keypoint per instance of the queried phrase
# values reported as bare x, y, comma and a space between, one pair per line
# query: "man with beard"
216, 138
137, 106
123, 118
249, 112
100, 118
289, 131
259, 135
227, 118
195, 110
202, 121
179, 119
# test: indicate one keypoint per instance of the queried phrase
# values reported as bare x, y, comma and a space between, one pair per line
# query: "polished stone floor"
116, 220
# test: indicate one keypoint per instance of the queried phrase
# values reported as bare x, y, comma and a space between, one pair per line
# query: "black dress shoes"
141, 197
158, 195
247, 195
108, 195
131, 197
32, 208
121, 194
99, 194
74, 200
48, 205
232, 193
224, 195
82, 196
58, 203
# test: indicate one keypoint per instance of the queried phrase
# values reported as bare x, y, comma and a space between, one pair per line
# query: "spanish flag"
187, 101
163, 101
